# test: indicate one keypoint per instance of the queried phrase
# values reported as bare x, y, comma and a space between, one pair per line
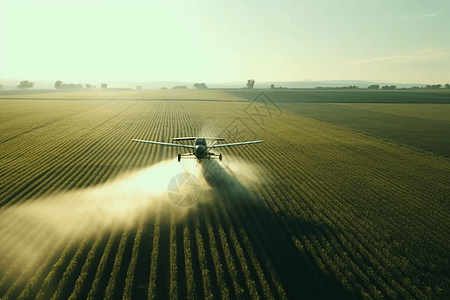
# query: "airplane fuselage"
200, 150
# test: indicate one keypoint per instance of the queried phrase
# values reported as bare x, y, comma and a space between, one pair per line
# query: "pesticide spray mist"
29, 231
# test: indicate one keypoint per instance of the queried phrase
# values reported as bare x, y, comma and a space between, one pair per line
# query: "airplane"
200, 148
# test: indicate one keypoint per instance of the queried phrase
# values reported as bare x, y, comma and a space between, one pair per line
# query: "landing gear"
179, 157
220, 157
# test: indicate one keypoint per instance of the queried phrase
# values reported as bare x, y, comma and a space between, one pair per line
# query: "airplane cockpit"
200, 141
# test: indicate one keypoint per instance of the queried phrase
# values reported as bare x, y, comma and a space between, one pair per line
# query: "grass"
330, 212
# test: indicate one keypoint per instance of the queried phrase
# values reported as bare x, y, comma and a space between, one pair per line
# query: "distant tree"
351, 87
25, 85
385, 87
1, 86
104, 86
250, 83
433, 87
447, 86
180, 87
272, 86
58, 84
200, 86
164, 88
139, 87
88, 86
373, 87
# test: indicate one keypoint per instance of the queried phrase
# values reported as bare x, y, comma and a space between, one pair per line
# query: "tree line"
61, 85
377, 87
202, 86
25, 84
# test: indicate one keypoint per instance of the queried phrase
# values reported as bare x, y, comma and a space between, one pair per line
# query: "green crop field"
348, 96
421, 126
420, 110
322, 209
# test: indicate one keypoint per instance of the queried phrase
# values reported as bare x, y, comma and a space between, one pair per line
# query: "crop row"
330, 214
342, 217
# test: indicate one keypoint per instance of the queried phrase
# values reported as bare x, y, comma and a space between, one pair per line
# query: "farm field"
124, 95
317, 211
428, 111
348, 96
422, 126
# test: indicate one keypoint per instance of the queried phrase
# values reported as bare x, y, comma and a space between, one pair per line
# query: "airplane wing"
193, 138
213, 138
166, 144
184, 139
235, 144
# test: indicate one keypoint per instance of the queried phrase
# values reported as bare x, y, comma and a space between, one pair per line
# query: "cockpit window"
200, 142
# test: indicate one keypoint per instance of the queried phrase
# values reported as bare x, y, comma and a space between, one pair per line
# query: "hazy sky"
403, 41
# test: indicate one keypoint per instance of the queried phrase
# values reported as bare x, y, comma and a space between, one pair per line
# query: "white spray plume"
29, 231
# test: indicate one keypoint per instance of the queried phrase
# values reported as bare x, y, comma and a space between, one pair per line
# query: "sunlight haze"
226, 41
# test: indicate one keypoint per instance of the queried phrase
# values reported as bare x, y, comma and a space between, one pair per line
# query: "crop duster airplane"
200, 150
